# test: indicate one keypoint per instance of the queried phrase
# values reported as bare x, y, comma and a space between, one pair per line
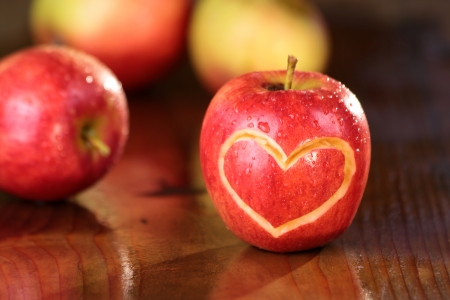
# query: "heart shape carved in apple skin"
285, 163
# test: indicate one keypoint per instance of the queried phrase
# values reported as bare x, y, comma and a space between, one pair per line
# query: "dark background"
14, 31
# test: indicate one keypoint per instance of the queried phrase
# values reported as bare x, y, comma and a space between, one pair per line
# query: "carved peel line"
285, 162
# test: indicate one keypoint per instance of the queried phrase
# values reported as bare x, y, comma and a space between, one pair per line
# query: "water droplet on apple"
316, 124
234, 122
247, 171
249, 118
279, 134
264, 127
253, 158
291, 116
89, 79
251, 125
341, 121
62, 154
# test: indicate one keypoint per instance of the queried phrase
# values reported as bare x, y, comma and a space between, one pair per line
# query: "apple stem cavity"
292, 62
92, 140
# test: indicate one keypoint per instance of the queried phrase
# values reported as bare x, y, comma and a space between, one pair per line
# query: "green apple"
138, 40
229, 38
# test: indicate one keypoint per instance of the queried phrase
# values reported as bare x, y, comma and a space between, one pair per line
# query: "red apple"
63, 122
138, 40
286, 168
230, 38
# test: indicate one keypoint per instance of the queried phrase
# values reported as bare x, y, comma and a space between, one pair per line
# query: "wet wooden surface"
149, 231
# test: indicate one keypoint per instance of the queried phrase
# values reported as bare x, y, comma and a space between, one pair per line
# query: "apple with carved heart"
285, 156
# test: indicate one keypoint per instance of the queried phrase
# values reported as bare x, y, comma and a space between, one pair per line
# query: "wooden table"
149, 231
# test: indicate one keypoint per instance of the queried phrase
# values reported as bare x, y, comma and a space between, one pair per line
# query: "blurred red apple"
139, 40
230, 38
63, 122
285, 167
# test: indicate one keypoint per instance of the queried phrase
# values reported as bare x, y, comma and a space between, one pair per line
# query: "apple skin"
255, 35
140, 41
50, 96
317, 108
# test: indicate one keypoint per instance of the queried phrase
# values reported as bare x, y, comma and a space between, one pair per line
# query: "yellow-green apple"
230, 38
286, 167
63, 122
140, 40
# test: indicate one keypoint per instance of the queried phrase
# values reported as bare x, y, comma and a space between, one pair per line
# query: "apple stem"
96, 143
292, 62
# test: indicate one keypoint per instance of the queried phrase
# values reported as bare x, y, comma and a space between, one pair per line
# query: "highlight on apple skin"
141, 41
63, 122
230, 38
285, 168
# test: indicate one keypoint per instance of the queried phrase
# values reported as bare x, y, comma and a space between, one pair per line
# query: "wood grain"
149, 231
